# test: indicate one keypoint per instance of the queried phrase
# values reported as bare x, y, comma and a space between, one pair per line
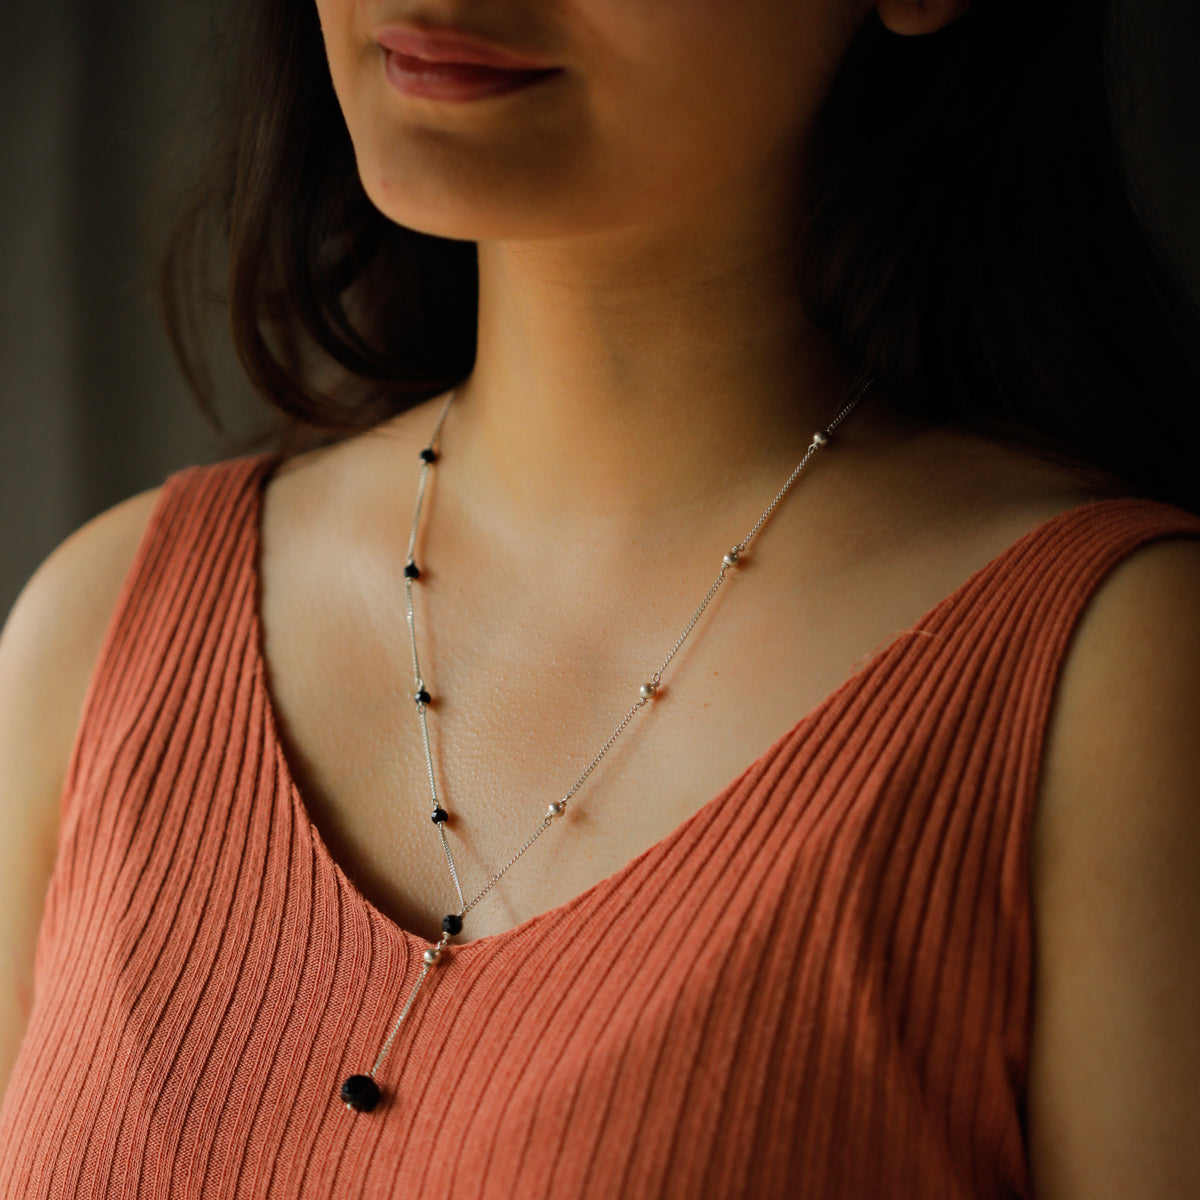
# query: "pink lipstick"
445, 65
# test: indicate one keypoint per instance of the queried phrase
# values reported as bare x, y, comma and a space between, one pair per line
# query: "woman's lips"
455, 81
445, 65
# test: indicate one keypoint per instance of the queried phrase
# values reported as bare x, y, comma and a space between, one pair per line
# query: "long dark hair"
969, 232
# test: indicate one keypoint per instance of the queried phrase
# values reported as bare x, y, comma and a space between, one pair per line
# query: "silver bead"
733, 557
556, 809
820, 438
431, 955
648, 690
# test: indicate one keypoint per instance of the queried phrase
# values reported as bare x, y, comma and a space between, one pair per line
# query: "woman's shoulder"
54, 632
1113, 1095
48, 649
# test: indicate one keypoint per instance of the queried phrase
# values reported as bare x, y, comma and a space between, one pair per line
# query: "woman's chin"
471, 212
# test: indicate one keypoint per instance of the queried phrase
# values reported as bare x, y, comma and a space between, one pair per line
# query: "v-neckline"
264, 466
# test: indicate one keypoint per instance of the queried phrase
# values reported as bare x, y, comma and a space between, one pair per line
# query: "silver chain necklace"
360, 1092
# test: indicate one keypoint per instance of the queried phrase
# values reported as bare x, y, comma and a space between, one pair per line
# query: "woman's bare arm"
48, 648
1114, 1094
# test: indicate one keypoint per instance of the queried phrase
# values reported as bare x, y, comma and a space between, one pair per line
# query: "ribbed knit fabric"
818, 986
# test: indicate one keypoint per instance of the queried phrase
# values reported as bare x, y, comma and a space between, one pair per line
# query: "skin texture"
646, 378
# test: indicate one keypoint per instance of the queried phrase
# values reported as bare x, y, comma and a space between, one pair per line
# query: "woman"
245, 960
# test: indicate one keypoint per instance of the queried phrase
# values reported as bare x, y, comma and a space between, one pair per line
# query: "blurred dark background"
103, 111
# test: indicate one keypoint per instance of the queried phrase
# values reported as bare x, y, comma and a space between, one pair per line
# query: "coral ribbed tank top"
818, 986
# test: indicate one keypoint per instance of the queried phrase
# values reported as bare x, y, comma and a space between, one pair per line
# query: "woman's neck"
623, 375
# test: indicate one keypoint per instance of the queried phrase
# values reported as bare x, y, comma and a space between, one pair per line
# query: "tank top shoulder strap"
1081, 547
192, 577
1019, 613
1042, 584
1065, 565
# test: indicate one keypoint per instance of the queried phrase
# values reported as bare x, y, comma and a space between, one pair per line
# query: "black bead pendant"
440, 816
411, 570
423, 697
452, 924
429, 455
360, 1092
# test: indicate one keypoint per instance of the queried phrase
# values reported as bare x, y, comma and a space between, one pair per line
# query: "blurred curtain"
100, 111
100, 119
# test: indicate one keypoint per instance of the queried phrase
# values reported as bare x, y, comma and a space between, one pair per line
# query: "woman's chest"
522, 714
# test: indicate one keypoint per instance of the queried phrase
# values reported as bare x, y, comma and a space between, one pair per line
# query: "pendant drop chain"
360, 1092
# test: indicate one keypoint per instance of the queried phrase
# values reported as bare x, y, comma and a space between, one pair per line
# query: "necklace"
360, 1092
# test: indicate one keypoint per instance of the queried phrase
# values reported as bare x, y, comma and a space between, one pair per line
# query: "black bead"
423, 697
440, 815
411, 570
360, 1092
429, 455
452, 924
